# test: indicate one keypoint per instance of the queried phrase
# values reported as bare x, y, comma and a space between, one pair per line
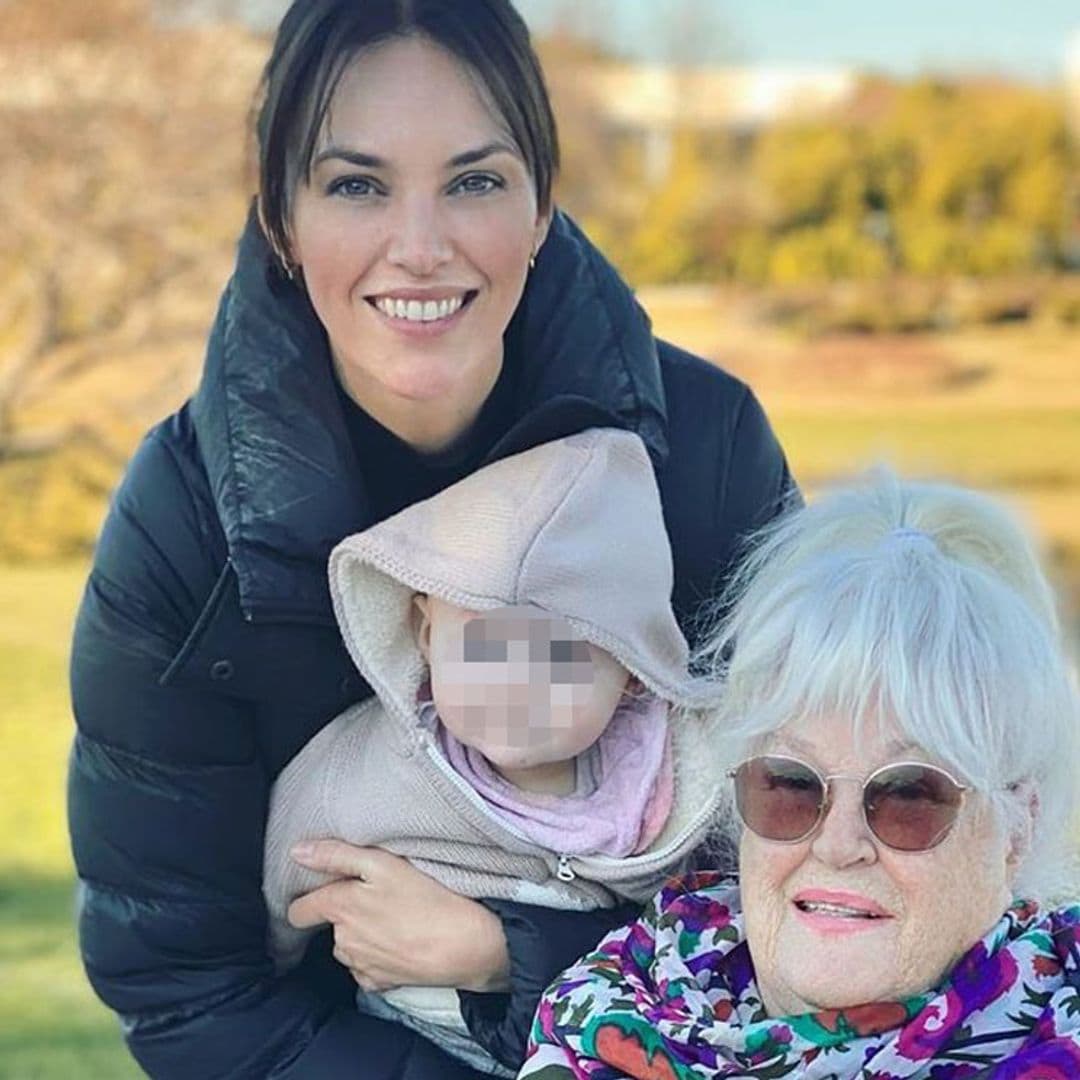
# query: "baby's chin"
521, 757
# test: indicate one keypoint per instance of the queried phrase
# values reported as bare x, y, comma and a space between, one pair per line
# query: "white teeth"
419, 310
835, 909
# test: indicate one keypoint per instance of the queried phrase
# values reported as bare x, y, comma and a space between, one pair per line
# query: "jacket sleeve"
757, 481
167, 805
542, 942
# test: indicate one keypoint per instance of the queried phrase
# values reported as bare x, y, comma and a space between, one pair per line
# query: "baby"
518, 635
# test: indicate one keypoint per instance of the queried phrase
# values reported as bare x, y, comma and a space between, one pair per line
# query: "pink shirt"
624, 792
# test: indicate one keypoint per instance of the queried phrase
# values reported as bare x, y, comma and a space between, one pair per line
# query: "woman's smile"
827, 911
420, 313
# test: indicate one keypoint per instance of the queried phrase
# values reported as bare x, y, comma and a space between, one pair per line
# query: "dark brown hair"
318, 38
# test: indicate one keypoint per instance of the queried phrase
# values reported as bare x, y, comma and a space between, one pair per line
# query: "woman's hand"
396, 926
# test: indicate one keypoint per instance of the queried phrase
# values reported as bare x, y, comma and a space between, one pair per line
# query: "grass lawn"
997, 448
51, 1025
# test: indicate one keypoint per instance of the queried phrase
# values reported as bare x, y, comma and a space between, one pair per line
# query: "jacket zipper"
631, 865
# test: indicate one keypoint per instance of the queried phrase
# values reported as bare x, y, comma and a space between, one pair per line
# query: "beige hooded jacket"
573, 527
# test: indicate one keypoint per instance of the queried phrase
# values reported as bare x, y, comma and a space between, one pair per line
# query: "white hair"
922, 604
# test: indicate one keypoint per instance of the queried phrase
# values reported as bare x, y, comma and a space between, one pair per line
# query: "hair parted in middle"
318, 39
919, 604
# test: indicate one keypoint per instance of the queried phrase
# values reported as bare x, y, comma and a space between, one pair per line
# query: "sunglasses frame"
826, 779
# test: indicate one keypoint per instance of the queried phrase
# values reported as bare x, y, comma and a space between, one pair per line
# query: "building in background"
1072, 80
650, 102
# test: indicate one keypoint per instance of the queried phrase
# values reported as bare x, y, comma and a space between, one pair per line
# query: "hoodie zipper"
563, 870
630, 866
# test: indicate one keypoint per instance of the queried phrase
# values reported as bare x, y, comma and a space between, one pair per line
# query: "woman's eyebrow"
354, 157
794, 744
372, 161
809, 747
471, 157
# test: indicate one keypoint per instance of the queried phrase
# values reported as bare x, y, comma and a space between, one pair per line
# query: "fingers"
372, 983
322, 905
336, 858
350, 864
366, 980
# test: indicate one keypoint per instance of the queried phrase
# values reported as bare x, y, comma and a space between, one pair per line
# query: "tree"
50, 20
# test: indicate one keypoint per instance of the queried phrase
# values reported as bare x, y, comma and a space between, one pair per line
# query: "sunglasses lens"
912, 807
778, 798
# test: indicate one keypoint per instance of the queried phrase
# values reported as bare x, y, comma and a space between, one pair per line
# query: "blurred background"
874, 219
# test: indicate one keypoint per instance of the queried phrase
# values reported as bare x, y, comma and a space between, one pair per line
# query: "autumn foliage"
925, 179
127, 174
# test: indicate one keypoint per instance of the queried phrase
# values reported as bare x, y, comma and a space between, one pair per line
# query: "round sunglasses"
907, 805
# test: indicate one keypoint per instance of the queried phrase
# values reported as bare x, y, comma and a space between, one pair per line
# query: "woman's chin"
835, 988
415, 377
424, 383
840, 971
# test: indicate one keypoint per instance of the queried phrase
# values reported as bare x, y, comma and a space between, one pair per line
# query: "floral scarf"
673, 997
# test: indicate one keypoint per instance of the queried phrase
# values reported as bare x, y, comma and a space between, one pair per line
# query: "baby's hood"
573, 526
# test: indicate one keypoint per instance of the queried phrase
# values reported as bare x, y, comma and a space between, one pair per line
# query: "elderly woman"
407, 306
904, 736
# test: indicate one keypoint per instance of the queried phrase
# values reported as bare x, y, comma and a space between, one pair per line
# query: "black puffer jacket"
206, 654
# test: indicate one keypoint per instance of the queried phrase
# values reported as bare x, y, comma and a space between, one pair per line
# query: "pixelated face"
517, 683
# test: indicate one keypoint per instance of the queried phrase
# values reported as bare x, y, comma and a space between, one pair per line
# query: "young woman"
407, 305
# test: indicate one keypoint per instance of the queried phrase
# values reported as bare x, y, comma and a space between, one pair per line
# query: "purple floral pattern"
673, 997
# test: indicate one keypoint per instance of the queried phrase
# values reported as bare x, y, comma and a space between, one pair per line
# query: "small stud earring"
532, 261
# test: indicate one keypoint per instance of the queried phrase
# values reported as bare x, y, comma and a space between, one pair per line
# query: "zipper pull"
565, 871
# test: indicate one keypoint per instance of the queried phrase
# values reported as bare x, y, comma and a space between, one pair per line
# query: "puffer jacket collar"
273, 440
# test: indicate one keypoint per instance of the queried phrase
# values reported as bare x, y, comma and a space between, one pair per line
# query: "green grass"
999, 448
51, 1025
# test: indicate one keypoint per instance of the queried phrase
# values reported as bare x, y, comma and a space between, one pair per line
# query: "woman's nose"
843, 838
419, 242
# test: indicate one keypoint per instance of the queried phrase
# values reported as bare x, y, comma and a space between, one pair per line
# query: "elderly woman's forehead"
821, 738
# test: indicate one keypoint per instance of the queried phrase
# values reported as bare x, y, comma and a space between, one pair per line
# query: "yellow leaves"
932, 246
808, 171
1037, 193
929, 178
53, 505
829, 252
661, 232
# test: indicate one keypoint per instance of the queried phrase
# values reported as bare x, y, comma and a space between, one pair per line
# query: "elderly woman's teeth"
419, 310
823, 908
